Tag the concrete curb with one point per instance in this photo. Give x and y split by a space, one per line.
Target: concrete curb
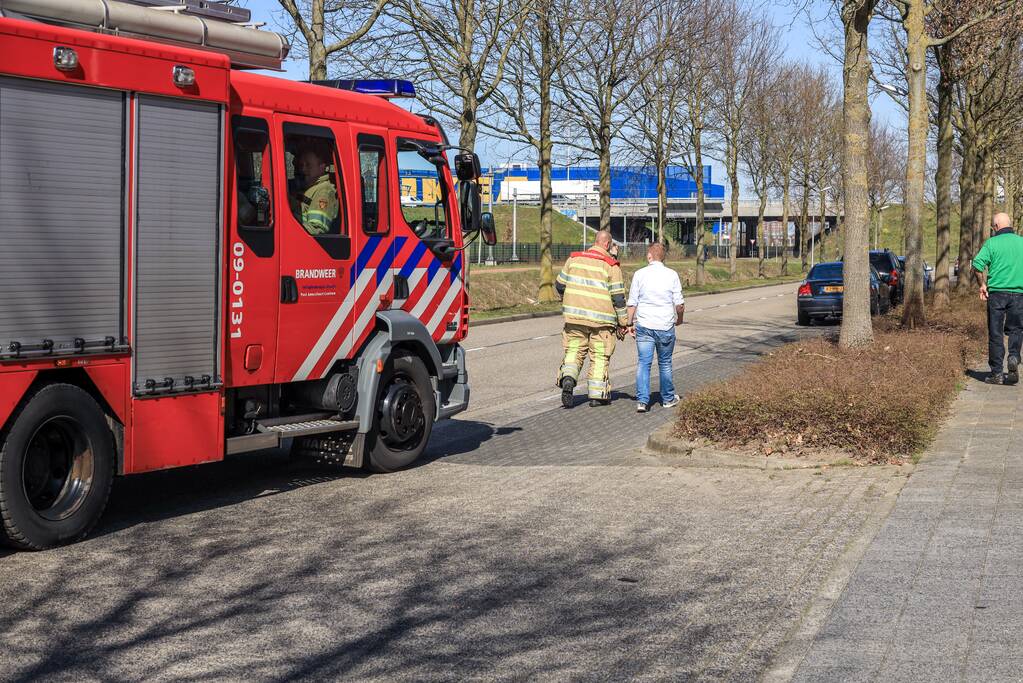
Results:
684 455
550 314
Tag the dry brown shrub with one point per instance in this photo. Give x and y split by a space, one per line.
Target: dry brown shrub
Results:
881 403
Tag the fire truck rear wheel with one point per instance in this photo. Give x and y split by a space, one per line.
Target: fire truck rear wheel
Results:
403 417
56 468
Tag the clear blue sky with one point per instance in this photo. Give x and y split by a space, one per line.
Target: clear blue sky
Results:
798 31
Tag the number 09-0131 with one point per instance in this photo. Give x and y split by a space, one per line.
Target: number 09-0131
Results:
237 289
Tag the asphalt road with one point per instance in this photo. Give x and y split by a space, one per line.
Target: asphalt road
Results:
532 542
513 366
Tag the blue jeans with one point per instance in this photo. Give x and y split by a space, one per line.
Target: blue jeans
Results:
648 341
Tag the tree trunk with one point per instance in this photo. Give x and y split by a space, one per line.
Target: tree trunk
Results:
979 200
317 62
989 197
604 160
785 199
822 240
762 232
662 195
315 43
701 259
857 329
1009 187
804 223
967 205
913 313
545 292
733 178
943 183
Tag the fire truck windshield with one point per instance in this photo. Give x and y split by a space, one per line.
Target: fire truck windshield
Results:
424 193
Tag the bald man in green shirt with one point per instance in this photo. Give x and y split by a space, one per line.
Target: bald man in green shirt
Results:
1002 288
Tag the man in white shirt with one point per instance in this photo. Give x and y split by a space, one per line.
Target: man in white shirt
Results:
656 306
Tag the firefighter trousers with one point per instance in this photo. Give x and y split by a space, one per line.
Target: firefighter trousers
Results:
599 343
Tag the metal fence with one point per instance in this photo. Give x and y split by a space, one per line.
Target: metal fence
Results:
529 252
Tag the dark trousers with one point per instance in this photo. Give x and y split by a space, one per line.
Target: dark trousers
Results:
1004 317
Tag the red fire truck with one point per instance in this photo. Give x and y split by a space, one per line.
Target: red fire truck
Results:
199 261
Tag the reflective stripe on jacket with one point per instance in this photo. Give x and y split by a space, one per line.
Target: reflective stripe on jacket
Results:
592 290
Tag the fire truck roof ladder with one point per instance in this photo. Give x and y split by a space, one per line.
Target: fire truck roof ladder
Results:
194 23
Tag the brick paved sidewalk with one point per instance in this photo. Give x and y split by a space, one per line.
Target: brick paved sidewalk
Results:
938 595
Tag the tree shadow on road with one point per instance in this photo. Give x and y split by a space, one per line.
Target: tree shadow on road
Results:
413 599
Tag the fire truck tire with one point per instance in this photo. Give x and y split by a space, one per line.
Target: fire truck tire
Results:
403 418
56 468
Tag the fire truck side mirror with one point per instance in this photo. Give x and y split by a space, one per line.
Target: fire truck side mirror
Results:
488 229
467 166
469 205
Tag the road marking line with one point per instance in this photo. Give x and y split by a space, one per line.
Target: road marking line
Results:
697 310
478 348
551 398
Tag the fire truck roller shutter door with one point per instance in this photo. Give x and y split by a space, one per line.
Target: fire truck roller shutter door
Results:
177 244
61 213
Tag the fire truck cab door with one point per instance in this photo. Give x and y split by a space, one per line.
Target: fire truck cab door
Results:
316 297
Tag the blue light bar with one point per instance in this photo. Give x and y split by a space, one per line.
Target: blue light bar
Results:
385 87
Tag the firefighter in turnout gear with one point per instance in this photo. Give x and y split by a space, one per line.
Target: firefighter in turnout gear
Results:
319 205
593 304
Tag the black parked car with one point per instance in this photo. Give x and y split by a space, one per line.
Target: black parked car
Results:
891 270
820 295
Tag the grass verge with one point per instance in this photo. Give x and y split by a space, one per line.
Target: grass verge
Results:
514 290
879 404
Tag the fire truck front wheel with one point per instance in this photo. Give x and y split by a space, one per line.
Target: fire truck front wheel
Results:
403 418
56 468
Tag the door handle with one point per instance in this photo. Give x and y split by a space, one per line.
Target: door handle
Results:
289 290
400 288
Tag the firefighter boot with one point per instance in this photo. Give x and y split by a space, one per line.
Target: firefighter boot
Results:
567 390
575 341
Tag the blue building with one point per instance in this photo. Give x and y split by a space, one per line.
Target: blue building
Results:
628 183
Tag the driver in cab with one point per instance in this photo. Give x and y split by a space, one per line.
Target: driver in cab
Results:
319 205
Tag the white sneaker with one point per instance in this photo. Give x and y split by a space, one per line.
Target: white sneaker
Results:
642 408
672 403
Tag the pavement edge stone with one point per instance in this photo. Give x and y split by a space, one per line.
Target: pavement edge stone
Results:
663 443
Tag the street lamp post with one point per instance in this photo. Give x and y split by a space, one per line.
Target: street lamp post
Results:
515 224
880 226
585 202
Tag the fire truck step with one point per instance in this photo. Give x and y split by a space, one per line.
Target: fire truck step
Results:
313 427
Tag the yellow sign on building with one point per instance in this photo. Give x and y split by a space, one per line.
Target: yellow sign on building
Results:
431 190
409 188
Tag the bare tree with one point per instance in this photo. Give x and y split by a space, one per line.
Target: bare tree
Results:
886 172
757 140
457 50
784 149
323 28
815 101
703 22
525 103
654 126
597 79
747 46
913 15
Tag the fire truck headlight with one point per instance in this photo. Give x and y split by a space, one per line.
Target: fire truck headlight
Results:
65 59
183 76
